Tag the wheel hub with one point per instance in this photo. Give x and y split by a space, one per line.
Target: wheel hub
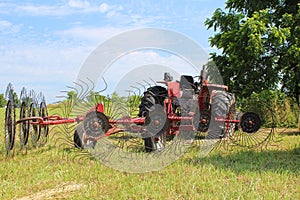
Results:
95 124
250 122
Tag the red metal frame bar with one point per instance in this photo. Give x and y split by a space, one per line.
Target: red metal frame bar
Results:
50 120
222 119
128 120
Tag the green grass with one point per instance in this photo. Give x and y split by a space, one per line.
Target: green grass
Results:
225 174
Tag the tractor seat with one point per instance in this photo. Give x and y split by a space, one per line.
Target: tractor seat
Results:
187 82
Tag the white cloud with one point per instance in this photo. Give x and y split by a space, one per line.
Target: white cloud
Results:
4 8
34 60
78 4
145 65
5 24
43 68
95 34
70 8
7 27
45 10
145 57
104 7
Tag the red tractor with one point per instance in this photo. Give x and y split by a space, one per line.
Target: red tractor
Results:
180 109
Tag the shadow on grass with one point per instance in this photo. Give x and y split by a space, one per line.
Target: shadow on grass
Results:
252 161
291 132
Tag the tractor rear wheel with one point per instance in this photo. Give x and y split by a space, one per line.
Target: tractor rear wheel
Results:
153 95
151 107
223 106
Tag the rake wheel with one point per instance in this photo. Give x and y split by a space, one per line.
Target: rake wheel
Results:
33 128
43 112
156 124
24 126
10 119
151 101
95 124
204 120
250 135
156 121
10 127
250 122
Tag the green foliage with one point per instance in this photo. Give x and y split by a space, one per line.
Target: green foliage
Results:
2 101
133 103
129 105
16 99
274 108
115 106
71 95
260 45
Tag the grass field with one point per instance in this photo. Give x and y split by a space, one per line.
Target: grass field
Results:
51 172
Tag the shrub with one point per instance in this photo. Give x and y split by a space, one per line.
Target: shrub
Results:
274 108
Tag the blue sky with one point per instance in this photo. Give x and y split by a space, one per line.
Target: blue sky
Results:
44 43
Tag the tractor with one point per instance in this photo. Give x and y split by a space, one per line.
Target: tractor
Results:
181 108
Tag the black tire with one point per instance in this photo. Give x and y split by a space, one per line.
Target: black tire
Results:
223 105
78 134
155 143
10 127
204 120
95 117
79 140
87 128
156 138
250 122
33 128
43 129
154 96
156 121
24 129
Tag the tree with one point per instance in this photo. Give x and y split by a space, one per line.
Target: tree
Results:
260 43
2 101
71 95
17 100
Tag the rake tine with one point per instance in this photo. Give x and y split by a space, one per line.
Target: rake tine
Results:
81 89
140 92
141 85
147 83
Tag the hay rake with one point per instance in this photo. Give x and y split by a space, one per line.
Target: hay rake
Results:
162 112
33 118
34 121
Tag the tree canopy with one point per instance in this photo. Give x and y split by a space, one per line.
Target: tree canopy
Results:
260 45
2 100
